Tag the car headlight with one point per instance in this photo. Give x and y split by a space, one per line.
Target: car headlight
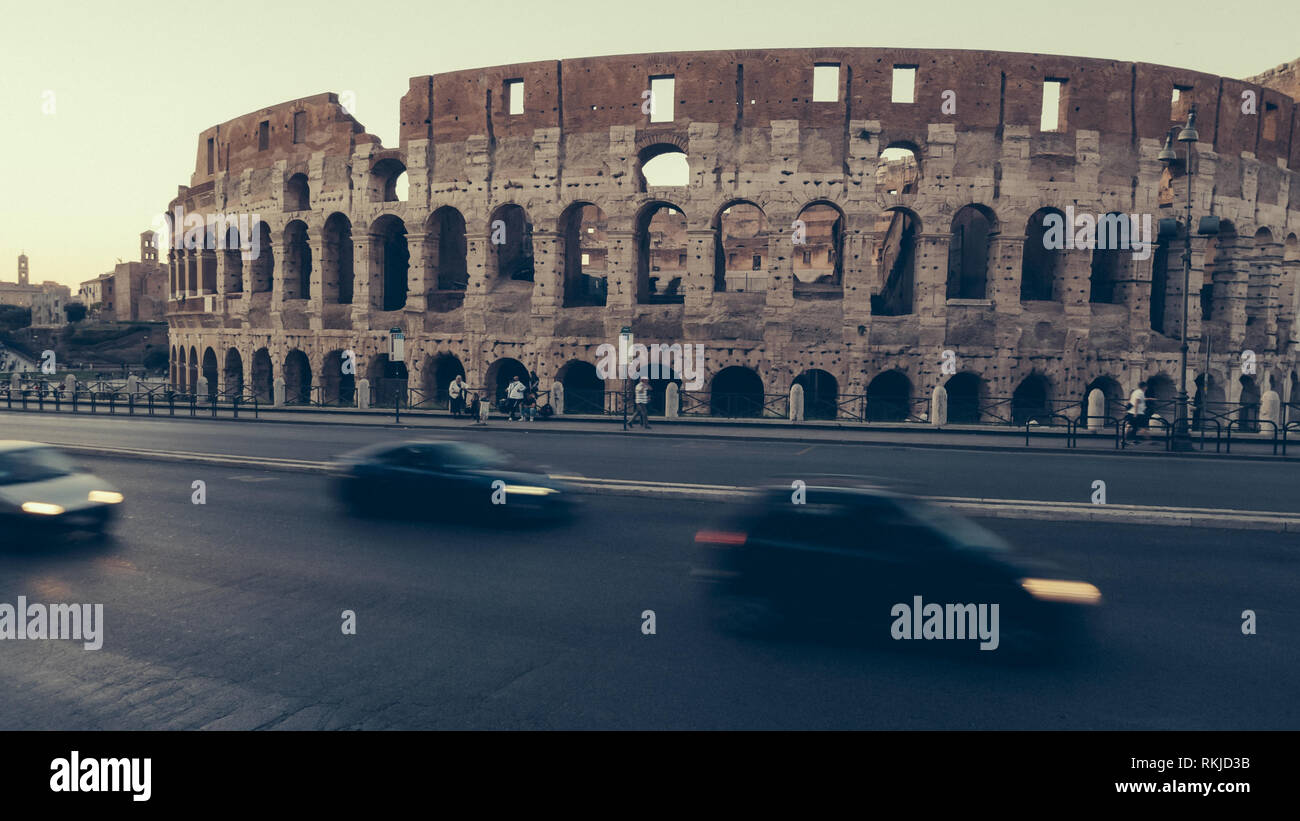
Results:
529 490
1062 591
42 508
107 497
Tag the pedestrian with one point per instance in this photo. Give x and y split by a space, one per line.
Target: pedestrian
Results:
534 382
514 398
456 395
1136 416
642 403
530 405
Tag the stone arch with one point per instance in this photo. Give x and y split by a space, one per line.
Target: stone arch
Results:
390 261
661 253
510 242
584 255
297 378
1112 390
337 269
389 381
970 251
297 193
897 230
967 394
233 378
663 162
262 265
192 378
898 169
736 391
438 372
739 247
234 255
447 248
889 397
584 390
499 374
182 373
1031 400
819 260
821 393
1162 395
337 387
297 261
210 373
1042 268
263 376
387 180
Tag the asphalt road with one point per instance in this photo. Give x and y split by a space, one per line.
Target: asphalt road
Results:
227 615
662 456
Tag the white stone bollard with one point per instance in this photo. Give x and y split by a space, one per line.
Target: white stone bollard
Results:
363 393
672 401
1270 409
1096 409
277 395
939 406
557 398
796 403
201 388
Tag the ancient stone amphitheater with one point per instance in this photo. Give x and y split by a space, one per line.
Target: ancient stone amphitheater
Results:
840 219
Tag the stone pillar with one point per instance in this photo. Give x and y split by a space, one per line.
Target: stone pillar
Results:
361 265
939 406
621 268
201 388
1270 409
1096 409
672 401
557 398
796 403
316 299
417 277
277 395
548 272
1006 258
363 393
70 385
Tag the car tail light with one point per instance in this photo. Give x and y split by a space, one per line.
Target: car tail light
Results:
720 537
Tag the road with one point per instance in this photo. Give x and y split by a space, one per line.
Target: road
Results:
227 615
662 456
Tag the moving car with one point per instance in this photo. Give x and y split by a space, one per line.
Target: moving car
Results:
42 491
848 556
446 479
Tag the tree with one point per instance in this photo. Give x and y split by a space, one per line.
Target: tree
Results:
75 311
13 317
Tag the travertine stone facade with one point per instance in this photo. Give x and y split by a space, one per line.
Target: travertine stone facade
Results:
881 285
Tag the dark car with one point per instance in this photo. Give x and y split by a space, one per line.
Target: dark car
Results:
43 492
446 479
866 558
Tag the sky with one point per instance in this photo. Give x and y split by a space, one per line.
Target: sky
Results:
104 102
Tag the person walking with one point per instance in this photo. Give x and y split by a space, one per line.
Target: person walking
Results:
1137 411
514 398
642 403
456 395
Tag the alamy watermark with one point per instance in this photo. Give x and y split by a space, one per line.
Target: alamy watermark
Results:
210 232
1119 232
78 622
950 621
656 361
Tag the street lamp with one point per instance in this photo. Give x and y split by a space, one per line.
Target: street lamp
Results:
624 360
1169 157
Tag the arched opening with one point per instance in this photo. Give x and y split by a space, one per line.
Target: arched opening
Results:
584 390
234 253
511 237
336 260
297 261
1248 403
1043 260
208 262
192 379
390 260
388 181
182 373
899 169
819 258
662 165
234 374
388 381
585 249
1159 284
1030 400
1161 396
297 378
499 374
821 393
889 397
969 248
1292 411
210 373
896 232
966 395
297 194
736 392
740 248
338 385
661 254
263 262
439 371
171 376
263 387
447 234
1112 249
1115 399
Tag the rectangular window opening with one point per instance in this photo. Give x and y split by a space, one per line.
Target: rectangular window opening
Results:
212 150
263 135
299 127
1270 121
904 90
1178 104
515 96
1052 118
662 90
826 82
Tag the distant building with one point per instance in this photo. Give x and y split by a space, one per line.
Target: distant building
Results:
132 291
40 298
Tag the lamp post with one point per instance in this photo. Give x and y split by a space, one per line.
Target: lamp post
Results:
1188 135
624 359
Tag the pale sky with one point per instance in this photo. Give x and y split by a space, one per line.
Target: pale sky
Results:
133 83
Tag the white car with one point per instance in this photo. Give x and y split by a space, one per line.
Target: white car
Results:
43 491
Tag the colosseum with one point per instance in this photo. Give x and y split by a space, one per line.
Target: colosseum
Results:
833 218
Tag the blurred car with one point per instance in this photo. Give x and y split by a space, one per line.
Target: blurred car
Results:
446 479
848 555
43 491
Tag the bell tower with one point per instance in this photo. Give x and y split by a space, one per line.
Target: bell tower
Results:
22 269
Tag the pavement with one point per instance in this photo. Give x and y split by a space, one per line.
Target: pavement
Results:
227 616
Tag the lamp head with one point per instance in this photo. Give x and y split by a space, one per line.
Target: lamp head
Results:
1188 134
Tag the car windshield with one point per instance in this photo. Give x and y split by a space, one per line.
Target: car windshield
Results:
33 465
959 530
461 455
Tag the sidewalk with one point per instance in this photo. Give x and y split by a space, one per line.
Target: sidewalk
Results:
965 437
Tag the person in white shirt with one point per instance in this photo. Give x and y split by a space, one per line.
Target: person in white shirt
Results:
642 403
515 395
1137 411
456 393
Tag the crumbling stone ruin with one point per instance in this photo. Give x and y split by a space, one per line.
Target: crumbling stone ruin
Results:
842 217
